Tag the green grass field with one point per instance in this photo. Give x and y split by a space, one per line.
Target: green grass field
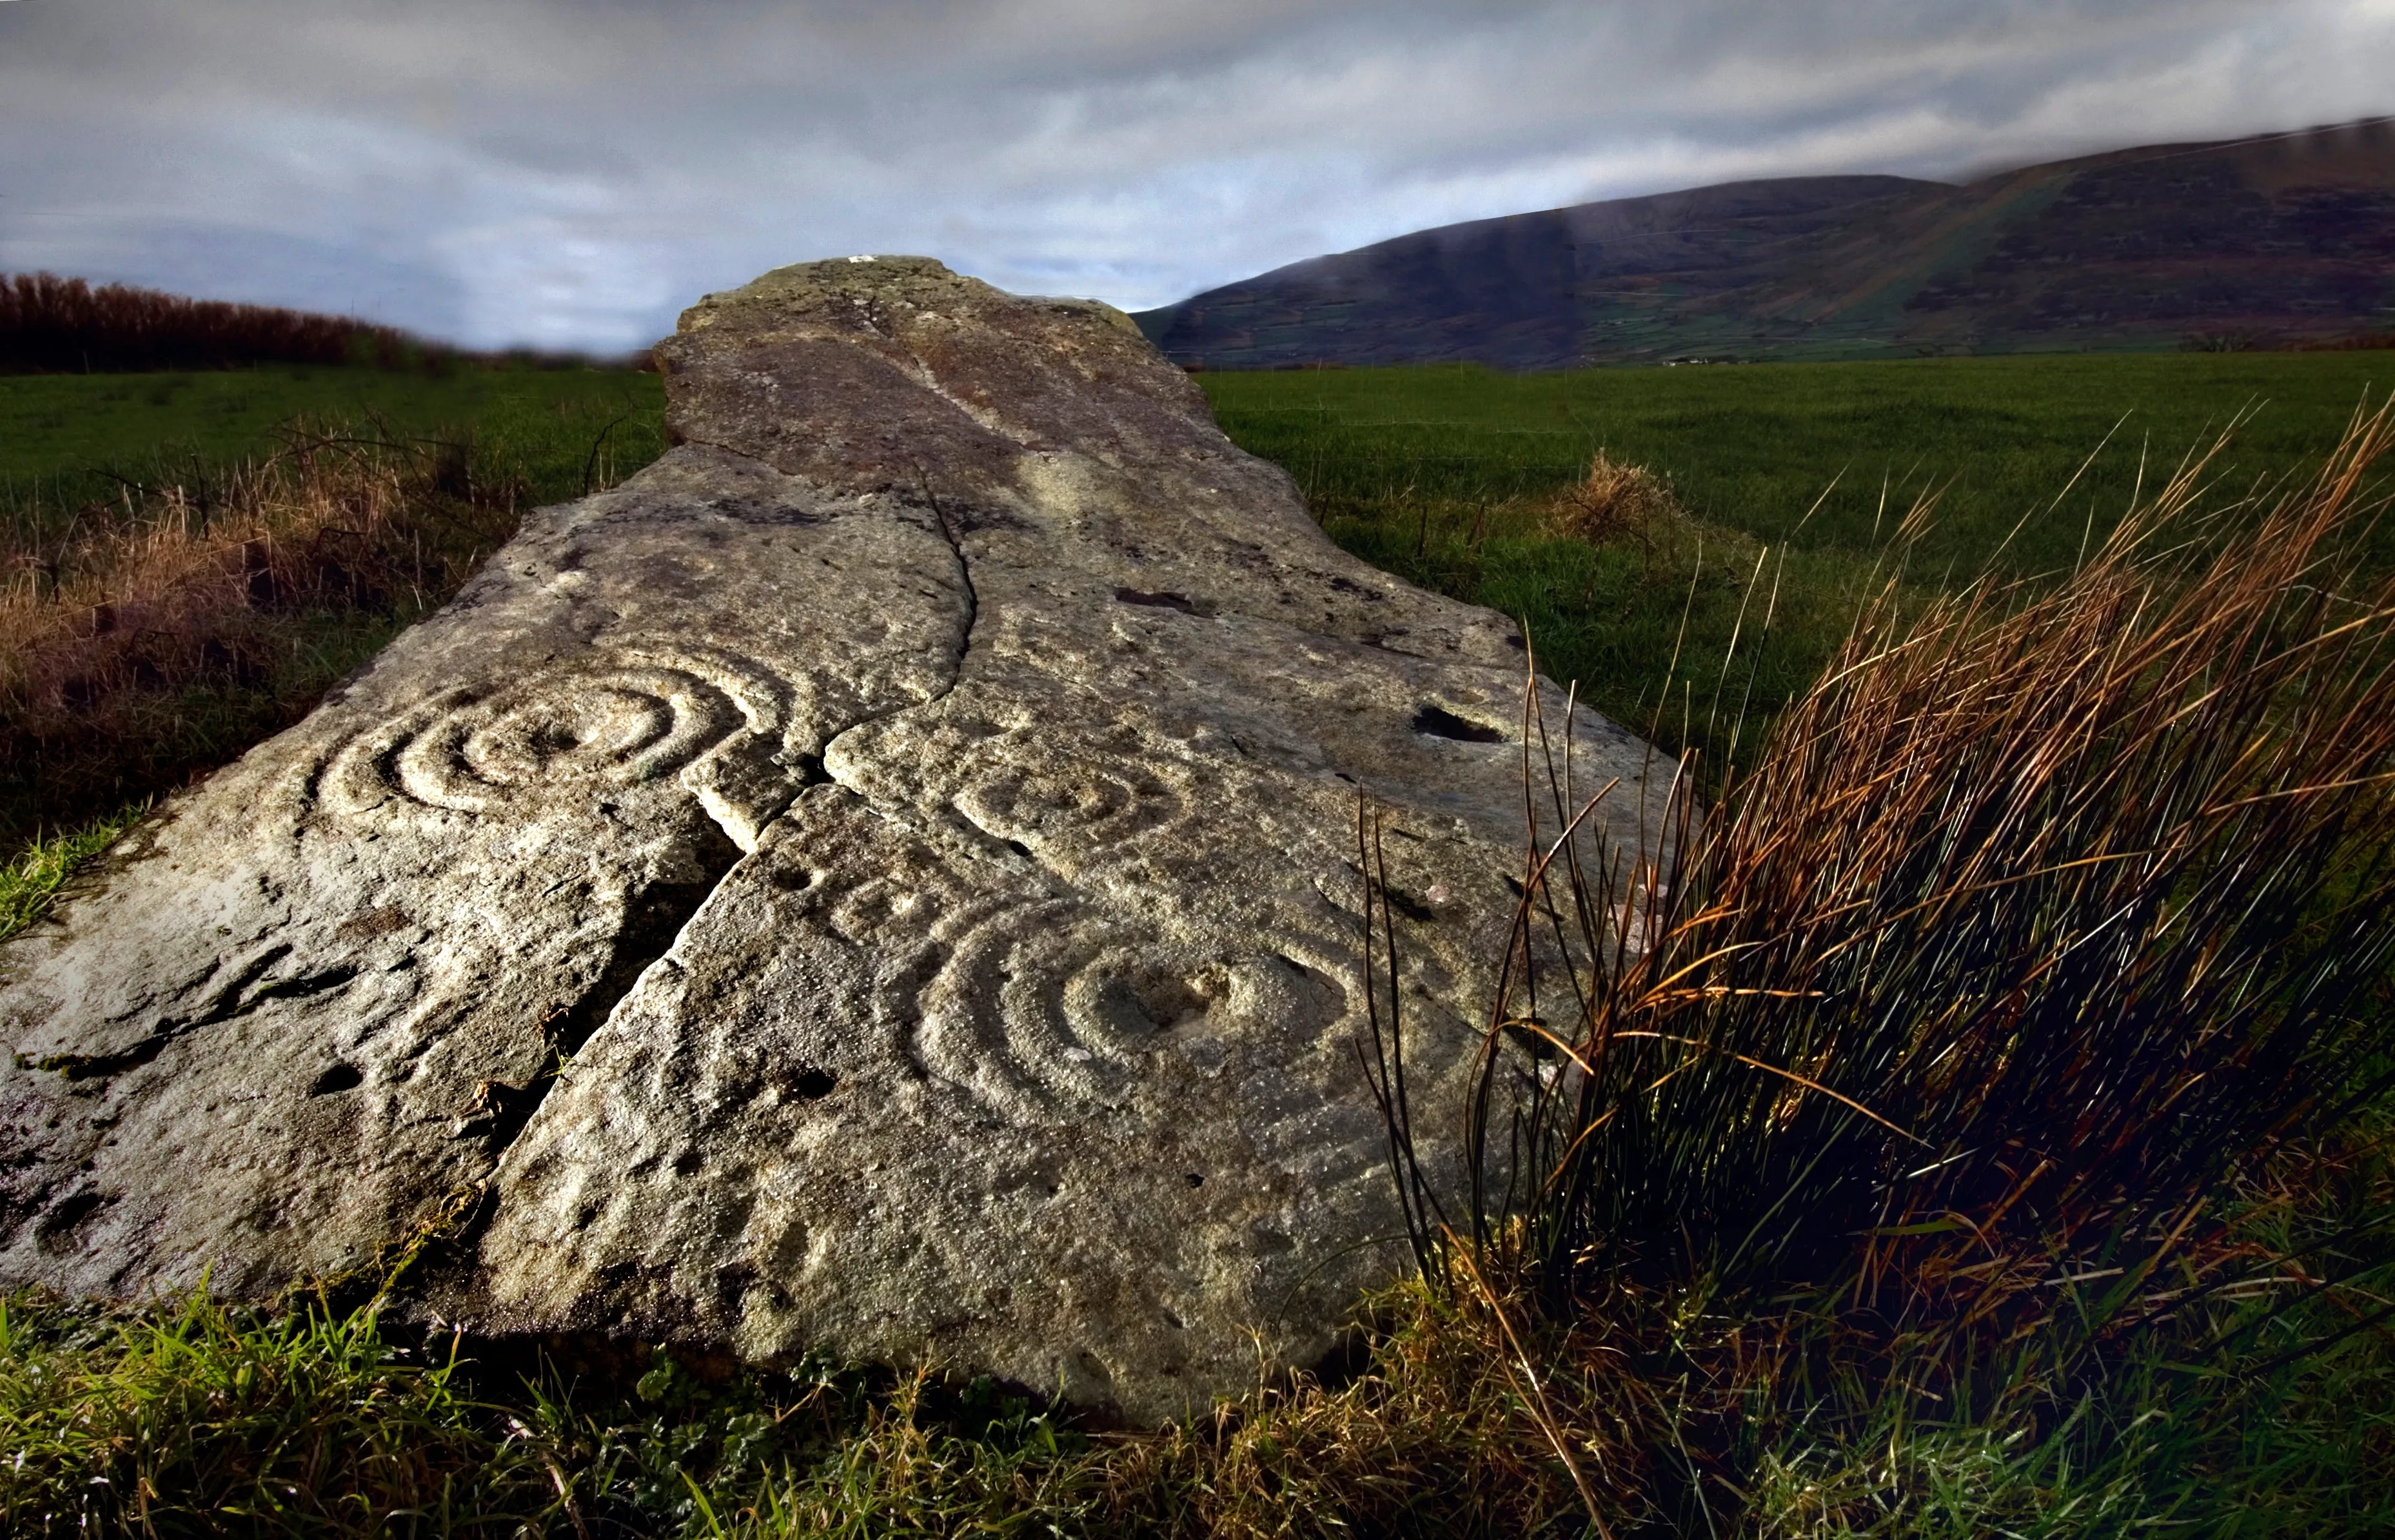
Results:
66 440
1752 446
1438 474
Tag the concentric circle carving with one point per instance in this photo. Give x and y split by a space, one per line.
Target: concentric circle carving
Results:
564 732
1052 1005
1085 803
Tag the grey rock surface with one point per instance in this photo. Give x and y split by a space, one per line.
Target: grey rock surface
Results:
883 880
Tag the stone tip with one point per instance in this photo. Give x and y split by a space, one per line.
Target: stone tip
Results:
919 280
800 281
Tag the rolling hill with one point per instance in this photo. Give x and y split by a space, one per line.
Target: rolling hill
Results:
2287 238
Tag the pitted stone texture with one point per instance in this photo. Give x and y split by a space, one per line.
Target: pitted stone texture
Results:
923 806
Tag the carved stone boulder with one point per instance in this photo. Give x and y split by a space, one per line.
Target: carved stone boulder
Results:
881 880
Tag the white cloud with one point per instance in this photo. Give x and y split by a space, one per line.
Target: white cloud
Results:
572 171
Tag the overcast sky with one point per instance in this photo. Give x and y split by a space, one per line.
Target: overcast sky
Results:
571 173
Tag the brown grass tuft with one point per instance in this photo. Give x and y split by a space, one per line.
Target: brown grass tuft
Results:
1614 503
2062 900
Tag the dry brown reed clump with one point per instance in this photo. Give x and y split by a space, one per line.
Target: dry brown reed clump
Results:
155 638
2044 919
1616 502
2067 894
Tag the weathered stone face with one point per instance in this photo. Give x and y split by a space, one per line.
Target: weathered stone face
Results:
920 811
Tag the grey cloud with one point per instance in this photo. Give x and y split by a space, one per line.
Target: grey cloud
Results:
573 171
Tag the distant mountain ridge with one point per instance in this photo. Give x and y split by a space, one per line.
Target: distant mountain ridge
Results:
2284 237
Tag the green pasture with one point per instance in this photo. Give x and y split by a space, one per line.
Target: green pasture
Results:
1752 446
66 440
1439 474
